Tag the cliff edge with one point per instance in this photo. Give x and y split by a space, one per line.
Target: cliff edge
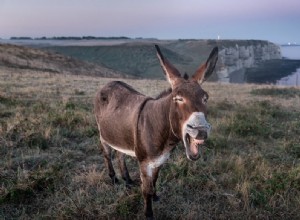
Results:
234 59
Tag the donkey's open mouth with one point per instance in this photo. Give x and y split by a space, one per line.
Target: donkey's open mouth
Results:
192 146
195 131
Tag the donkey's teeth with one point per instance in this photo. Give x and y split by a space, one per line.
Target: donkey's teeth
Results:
197 142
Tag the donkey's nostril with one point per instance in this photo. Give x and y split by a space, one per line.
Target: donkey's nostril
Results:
190 126
202 135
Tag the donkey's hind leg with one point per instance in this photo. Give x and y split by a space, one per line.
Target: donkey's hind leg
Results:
123 169
107 159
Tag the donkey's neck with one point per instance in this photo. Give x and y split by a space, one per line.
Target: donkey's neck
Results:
165 104
160 109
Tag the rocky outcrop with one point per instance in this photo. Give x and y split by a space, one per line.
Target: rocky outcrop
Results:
244 54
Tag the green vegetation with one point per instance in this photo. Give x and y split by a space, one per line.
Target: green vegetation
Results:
139 59
277 92
51 166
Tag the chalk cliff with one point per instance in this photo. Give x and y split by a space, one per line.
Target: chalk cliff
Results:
233 59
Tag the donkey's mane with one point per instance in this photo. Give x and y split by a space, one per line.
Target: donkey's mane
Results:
169 90
164 93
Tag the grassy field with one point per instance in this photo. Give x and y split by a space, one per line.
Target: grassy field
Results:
51 166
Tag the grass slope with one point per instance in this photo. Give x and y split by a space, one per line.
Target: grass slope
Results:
138 60
138 57
51 166
34 59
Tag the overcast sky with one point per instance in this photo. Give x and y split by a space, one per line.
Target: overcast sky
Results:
274 20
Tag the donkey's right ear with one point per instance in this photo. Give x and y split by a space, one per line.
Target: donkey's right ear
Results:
170 71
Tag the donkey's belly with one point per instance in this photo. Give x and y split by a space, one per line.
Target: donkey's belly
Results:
122 149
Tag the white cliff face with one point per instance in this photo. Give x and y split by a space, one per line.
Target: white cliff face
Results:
238 57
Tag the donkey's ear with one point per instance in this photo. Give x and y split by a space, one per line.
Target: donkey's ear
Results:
206 69
170 71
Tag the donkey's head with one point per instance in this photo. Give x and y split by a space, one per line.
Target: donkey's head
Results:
188 108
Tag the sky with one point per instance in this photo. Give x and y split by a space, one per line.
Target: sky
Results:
275 20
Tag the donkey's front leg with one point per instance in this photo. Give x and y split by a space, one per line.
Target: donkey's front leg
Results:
147 189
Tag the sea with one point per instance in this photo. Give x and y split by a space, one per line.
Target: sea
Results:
293 53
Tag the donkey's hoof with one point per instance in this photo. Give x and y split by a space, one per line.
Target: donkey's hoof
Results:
129 181
115 180
132 183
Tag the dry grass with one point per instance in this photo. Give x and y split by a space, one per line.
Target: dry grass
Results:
51 166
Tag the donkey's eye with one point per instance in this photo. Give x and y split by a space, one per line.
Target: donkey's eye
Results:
178 99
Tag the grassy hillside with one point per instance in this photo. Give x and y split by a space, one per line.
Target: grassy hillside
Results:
138 57
51 166
136 60
33 59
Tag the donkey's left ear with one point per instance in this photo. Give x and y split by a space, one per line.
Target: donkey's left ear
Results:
206 69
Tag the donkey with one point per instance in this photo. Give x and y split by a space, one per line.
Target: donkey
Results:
148 129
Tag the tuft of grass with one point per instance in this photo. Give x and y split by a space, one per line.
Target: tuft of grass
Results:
128 206
264 189
261 119
217 142
37 182
79 92
37 140
293 148
248 124
70 106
